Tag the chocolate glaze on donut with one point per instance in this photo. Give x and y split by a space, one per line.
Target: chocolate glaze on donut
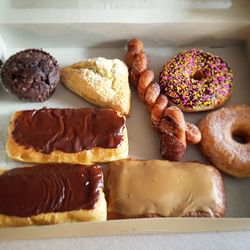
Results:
196 80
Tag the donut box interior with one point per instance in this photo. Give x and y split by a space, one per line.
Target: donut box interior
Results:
77 30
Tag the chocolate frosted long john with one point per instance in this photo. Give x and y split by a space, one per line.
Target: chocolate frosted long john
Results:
67 135
31 195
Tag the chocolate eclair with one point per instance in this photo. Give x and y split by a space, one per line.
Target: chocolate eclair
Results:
50 194
31 75
84 135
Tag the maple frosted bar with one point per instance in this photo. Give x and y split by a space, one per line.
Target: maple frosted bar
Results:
157 188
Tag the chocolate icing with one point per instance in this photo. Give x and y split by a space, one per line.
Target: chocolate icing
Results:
68 130
31 75
49 188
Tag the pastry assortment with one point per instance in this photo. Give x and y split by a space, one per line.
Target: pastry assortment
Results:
166 189
101 81
50 194
83 136
68 143
31 75
169 122
220 130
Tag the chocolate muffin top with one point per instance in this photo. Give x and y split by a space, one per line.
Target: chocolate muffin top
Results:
31 75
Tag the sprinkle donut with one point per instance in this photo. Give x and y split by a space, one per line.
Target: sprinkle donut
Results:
196 80
226 139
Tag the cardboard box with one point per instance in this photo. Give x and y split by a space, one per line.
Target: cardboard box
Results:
71 32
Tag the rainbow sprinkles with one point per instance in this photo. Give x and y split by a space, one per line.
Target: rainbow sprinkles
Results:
196 80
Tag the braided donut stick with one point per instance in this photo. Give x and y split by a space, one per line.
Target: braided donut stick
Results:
145 79
158 109
149 92
193 134
168 121
173 123
173 134
136 60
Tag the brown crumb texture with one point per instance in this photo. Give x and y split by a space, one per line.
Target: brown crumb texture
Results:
31 75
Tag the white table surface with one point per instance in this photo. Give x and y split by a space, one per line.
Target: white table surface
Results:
223 241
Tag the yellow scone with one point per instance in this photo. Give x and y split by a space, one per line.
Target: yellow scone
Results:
101 81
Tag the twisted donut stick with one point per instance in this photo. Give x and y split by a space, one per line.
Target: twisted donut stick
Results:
158 109
157 103
173 135
193 134
136 60
168 121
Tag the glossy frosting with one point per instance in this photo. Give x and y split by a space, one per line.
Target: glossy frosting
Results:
163 188
46 188
68 130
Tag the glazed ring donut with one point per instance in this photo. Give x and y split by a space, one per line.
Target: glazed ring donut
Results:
226 139
196 80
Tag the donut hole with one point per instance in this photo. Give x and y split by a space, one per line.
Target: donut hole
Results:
199 75
241 137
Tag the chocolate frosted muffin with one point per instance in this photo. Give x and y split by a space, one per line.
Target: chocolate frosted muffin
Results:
31 75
